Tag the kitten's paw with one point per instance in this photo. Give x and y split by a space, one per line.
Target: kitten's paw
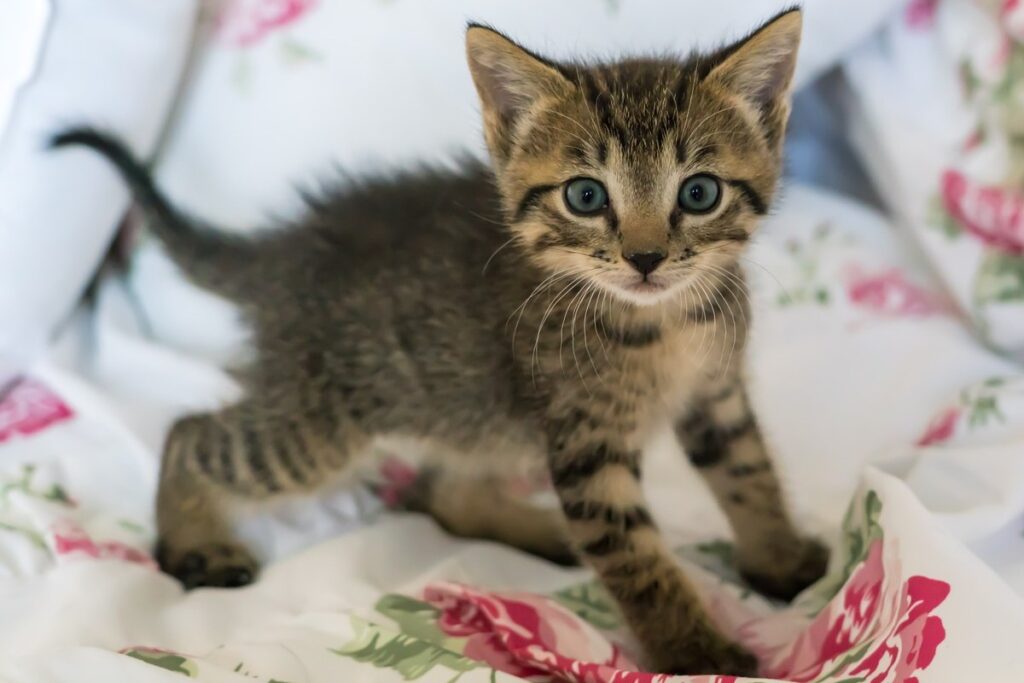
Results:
214 565
785 581
561 554
723 658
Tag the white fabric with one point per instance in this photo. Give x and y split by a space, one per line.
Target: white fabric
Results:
935 110
114 63
854 351
21 38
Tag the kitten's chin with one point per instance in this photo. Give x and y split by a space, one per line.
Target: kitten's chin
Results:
643 292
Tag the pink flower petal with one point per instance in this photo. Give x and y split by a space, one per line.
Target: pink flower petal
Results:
30 407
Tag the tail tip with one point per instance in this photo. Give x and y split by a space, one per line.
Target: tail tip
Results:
77 135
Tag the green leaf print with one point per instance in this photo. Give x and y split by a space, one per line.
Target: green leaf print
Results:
165 660
413 658
981 403
968 78
58 495
810 288
129 525
860 529
942 220
591 603
414 617
35 537
723 551
294 52
850 658
24 484
1000 278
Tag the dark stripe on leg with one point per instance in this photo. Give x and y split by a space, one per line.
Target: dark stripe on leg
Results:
224 453
256 458
299 447
749 469
628 518
729 433
202 434
571 470
280 445
607 544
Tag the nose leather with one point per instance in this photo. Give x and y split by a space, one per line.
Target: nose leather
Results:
646 262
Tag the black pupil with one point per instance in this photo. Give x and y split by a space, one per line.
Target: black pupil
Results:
696 192
587 195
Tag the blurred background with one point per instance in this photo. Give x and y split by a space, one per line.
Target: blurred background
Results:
888 282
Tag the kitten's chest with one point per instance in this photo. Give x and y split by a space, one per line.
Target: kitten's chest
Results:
665 376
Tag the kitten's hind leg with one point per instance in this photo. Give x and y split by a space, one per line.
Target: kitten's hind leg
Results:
215 463
483 507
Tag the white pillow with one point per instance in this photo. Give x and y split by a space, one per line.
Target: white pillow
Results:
113 62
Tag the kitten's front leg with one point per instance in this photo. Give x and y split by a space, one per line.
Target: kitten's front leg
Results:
721 438
596 474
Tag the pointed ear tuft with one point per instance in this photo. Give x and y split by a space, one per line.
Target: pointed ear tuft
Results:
508 77
760 67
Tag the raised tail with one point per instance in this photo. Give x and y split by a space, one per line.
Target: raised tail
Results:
210 258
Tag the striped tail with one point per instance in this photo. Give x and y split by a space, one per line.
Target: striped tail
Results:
204 254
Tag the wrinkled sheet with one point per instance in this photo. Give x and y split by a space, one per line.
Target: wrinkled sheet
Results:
899 435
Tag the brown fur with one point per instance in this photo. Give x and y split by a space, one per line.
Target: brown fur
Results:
480 314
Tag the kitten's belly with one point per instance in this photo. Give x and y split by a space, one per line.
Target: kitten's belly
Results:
499 444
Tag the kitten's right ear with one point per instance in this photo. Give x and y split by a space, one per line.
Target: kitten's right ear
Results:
508 77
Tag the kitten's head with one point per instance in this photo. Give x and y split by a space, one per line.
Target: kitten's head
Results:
637 175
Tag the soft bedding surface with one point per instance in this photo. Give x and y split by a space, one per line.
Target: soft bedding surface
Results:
899 436
899 433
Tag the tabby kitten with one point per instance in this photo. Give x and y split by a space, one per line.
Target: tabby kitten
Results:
560 306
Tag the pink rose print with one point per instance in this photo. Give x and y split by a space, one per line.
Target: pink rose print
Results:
1012 14
71 539
890 293
992 215
242 23
974 140
920 14
840 626
531 636
894 621
912 644
941 428
30 407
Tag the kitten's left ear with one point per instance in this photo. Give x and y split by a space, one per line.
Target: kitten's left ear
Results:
760 67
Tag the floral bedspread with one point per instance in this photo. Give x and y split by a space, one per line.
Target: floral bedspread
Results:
903 601
885 368
899 436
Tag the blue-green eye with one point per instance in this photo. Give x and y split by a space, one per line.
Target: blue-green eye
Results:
585 196
699 194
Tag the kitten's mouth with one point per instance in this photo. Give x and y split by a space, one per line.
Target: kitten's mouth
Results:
645 287
642 291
